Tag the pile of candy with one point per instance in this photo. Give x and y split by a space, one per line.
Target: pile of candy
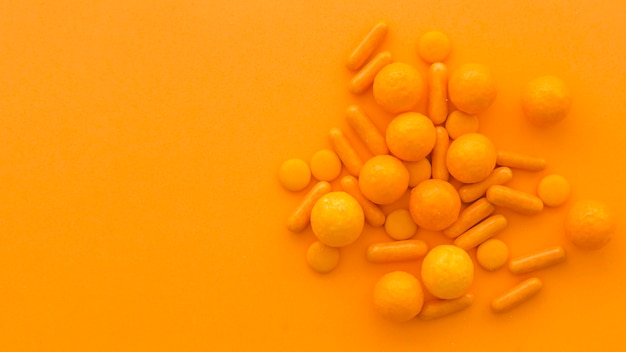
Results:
421 154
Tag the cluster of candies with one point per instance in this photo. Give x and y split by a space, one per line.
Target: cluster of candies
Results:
422 154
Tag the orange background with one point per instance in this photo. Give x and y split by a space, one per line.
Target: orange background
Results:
139 203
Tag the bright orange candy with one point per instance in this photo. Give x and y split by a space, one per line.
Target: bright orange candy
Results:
434 46
399 225
418 171
325 165
437 107
517 295
383 179
364 79
471 88
589 224
537 260
553 190
411 136
434 204
546 100
322 258
439 154
396 251
398 296
471 192
469 217
447 272
492 254
337 219
294 174
471 158
372 40
459 123
398 87
373 215
366 130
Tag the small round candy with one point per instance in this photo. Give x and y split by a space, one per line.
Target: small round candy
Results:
553 190
492 254
434 46
459 123
337 219
325 165
399 225
418 171
322 258
294 174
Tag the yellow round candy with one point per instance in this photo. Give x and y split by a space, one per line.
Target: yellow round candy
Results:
418 171
294 174
492 254
459 123
398 87
337 219
322 258
554 190
383 179
434 46
398 296
399 225
447 271
325 165
471 158
411 136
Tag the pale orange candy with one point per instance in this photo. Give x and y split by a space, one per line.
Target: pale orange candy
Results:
546 100
398 296
492 254
459 123
434 46
294 174
418 171
434 204
399 225
322 258
398 87
337 219
471 88
554 190
384 179
590 224
411 136
471 158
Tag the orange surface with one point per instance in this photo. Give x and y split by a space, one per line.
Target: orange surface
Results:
140 206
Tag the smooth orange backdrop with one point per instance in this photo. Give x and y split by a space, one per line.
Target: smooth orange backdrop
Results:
140 143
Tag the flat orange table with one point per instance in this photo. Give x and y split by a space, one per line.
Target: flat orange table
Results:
140 208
